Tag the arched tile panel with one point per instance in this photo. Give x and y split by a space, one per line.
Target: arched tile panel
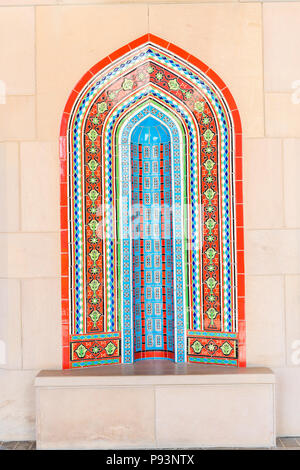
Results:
150 75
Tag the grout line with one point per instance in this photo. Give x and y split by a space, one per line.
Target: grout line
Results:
40 141
35 76
270 137
262 138
285 321
25 232
60 3
20 188
21 321
279 92
25 370
21 95
263 66
248 229
283 183
272 274
277 229
247 276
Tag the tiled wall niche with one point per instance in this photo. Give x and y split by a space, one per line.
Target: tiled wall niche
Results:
155 80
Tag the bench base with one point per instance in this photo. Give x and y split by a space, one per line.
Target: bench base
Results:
155 404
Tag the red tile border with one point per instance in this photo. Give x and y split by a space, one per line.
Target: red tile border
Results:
158 41
64 124
82 82
241 307
198 63
63 150
238 192
63 194
242 354
242 332
119 52
65 320
64 241
229 99
63 217
238 145
237 121
239 213
239 169
240 262
178 51
64 264
139 42
241 285
66 359
71 100
64 287
216 79
65 332
238 174
240 238
100 65
65 310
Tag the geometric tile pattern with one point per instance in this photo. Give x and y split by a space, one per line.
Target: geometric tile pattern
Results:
151 79
155 110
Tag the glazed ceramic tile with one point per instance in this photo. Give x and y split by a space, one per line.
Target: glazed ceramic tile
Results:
151 212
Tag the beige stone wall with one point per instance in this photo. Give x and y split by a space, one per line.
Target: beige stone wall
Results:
46 46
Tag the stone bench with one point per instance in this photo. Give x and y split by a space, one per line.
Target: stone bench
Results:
155 404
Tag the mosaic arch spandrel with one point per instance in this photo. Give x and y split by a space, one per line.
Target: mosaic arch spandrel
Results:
97 323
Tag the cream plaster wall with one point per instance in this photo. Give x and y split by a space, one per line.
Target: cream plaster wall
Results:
46 46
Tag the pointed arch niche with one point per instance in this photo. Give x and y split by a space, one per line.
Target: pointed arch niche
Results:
151 212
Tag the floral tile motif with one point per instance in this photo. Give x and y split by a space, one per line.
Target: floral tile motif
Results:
108 167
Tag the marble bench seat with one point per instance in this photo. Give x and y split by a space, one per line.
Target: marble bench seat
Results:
155 404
